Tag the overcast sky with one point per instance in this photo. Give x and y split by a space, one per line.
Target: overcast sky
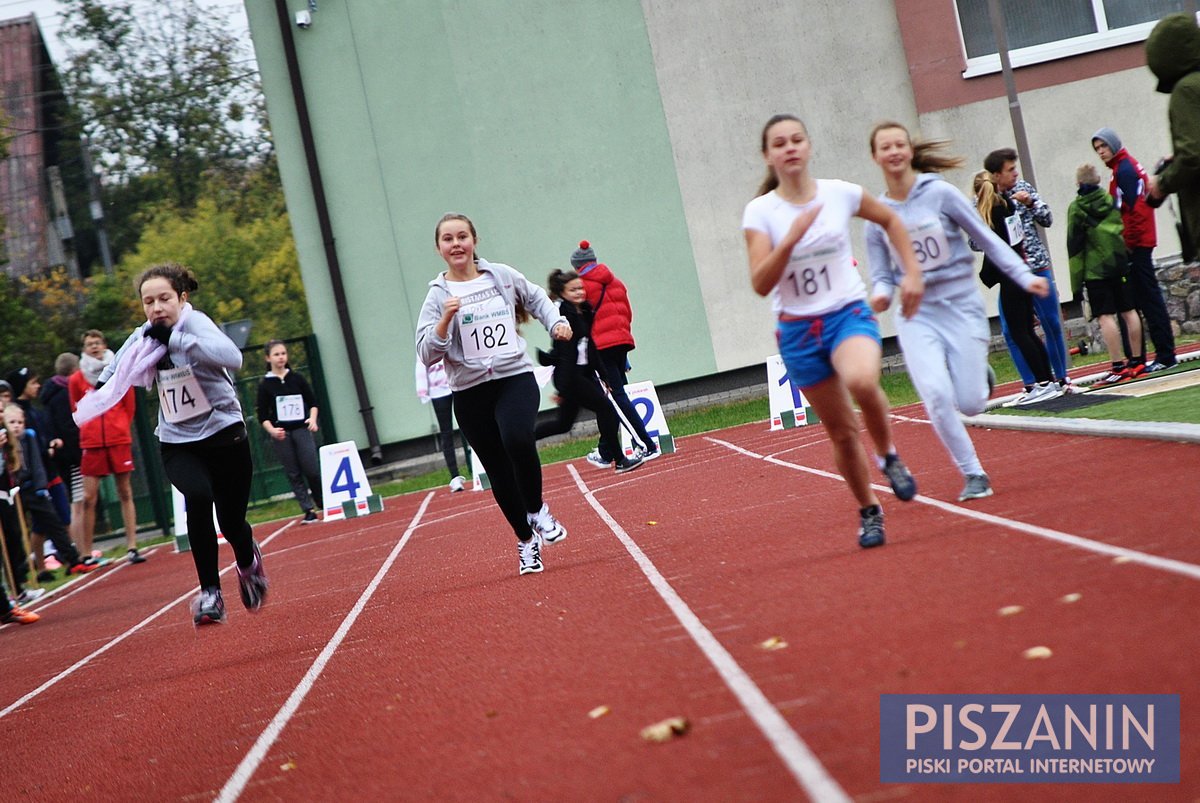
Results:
47 13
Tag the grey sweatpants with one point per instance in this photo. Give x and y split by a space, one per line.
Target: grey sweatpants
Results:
298 454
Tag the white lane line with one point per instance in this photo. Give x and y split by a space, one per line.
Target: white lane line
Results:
1180 567
800 761
245 770
82 662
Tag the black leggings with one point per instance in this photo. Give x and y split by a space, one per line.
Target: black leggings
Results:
497 418
579 387
612 361
214 472
443 406
1016 306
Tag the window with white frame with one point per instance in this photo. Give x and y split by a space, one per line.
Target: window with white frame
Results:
1043 30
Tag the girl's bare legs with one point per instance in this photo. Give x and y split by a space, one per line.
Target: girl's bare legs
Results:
832 404
858 363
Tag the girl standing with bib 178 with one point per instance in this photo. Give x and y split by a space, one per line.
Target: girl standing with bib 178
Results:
946 343
798 241
469 321
287 409
201 431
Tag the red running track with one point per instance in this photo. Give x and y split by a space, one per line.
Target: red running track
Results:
401 657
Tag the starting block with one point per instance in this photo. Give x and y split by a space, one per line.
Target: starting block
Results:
352 508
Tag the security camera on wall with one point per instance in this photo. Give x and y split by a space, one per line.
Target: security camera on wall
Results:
304 19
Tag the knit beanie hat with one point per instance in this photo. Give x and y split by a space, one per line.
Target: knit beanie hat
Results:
5 387
582 255
18 379
1109 138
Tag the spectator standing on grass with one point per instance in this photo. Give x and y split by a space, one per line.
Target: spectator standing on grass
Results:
1016 306
1173 55
946 342
1096 247
798 243
202 434
575 364
107 443
432 387
1032 212
612 334
1130 190
469 322
287 409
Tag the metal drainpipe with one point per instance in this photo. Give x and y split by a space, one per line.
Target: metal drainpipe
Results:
331 258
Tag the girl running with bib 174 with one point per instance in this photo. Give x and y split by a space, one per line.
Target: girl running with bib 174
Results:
798 241
201 431
469 321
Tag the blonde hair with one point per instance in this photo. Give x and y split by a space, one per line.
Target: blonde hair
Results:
986 196
1087 173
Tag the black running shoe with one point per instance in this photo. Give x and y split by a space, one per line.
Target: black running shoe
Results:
903 484
870 532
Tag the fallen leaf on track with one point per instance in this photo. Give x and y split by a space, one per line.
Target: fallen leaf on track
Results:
1068 598
1011 610
773 643
288 765
599 711
666 730
1034 653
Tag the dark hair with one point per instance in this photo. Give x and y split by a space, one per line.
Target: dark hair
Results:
94 333
270 346
926 156
771 181
437 230
558 280
994 162
181 279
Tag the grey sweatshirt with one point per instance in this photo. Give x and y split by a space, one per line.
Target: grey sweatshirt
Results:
934 197
460 373
198 342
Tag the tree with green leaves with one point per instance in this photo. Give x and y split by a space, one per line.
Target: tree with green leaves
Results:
168 97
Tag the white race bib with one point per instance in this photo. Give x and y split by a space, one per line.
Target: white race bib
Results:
930 244
180 396
487 327
808 275
1016 231
289 408
581 355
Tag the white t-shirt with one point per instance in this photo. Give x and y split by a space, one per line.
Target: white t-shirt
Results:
821 276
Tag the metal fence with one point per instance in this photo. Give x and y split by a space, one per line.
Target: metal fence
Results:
151 489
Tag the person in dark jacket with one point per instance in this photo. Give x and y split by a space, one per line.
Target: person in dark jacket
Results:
1130 188
56 401
1100 265
575 363
613 338
1173 55
287 410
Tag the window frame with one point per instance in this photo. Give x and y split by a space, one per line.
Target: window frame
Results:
1059 49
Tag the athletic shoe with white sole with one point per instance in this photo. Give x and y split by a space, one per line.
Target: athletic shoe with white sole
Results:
457 484
901 479
252 582
650 452
546 526
208 607
1042 393
624 463
310 517
30 595
530 554
978 486
870 531
596 460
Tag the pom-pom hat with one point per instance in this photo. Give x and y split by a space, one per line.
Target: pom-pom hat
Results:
582 255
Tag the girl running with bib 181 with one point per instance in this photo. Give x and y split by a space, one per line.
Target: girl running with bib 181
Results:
798 240
469 321
946 343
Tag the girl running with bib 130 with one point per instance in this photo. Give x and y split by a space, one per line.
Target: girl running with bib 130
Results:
469 321
946 343
798 239
201 431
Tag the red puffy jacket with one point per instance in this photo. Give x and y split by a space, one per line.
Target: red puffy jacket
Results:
1136 214
613 317
111 428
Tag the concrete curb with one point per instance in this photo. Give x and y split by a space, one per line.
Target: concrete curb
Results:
1149 430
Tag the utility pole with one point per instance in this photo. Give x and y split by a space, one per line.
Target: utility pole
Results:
61 250
96 207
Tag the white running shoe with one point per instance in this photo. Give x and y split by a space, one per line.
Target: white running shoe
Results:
1042 393
546 526
530 554
596 460
457 484
647 453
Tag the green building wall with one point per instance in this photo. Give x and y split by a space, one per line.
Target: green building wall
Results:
542 121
